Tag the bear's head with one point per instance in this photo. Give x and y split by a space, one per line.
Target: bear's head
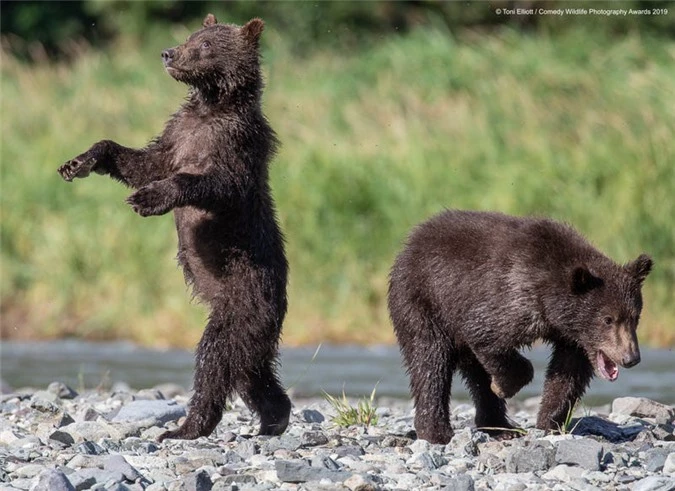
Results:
609 302
218 57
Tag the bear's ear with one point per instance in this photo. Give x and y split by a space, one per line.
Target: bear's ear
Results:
209 20
252 30
640 268
584 281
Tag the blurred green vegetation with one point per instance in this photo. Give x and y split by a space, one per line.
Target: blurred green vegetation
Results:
577 124
40 29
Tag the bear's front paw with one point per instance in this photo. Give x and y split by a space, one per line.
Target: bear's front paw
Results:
80 166
154 199
498 391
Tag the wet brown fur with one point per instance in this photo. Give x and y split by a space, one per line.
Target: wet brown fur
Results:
210 166
470 288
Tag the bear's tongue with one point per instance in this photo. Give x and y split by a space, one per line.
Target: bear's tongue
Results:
607 368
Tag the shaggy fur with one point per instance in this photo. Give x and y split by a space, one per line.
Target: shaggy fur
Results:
470 288
210 166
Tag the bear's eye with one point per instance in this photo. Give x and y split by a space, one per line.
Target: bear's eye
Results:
608 320
206 44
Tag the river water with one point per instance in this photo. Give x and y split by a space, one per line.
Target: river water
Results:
306 371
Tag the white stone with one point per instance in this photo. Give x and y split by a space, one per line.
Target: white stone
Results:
564 473
669 464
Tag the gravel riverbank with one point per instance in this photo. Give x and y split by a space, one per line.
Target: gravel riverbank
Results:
57 439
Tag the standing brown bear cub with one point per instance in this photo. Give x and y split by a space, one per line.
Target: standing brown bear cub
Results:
210 166
470 288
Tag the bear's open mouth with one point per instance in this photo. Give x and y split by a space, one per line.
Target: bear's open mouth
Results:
606 367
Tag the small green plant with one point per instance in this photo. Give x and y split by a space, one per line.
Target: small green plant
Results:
566 427
347 415
519 431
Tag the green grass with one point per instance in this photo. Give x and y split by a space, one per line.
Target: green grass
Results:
579 127
346 415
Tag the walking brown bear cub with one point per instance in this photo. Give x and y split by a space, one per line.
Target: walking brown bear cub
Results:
210 166
470 288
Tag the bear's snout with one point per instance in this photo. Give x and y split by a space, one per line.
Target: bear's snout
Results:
631 359
167 55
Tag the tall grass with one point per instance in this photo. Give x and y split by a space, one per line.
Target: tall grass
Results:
579 127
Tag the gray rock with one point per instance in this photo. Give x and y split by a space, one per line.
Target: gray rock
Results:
583 452
41 402
198 481
395 441
665 432
427 460
21 484
52 480
117 463
111 446
247 449
170 390
80 461
361 482
654 483
352 450
29 470
228 437
564 473
138 445
312 416
87 414
64 419
529 459
462 482
643 408
598 477
296 471
325 462
62 437
82 479
669 464
149 395
153 412
90 430
61 390
313 439
464 443
491 462
623 478
419 446
654 459
232 457
90 448
247 479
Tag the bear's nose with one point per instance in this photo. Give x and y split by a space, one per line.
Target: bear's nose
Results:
631 360
167 55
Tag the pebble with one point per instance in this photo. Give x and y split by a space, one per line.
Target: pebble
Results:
583 452
669 464
110 444
312 416
150 412
644 408
535 457
52 480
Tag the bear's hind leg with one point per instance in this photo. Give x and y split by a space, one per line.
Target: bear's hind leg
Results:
211 384
431 368
490 408
262 392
